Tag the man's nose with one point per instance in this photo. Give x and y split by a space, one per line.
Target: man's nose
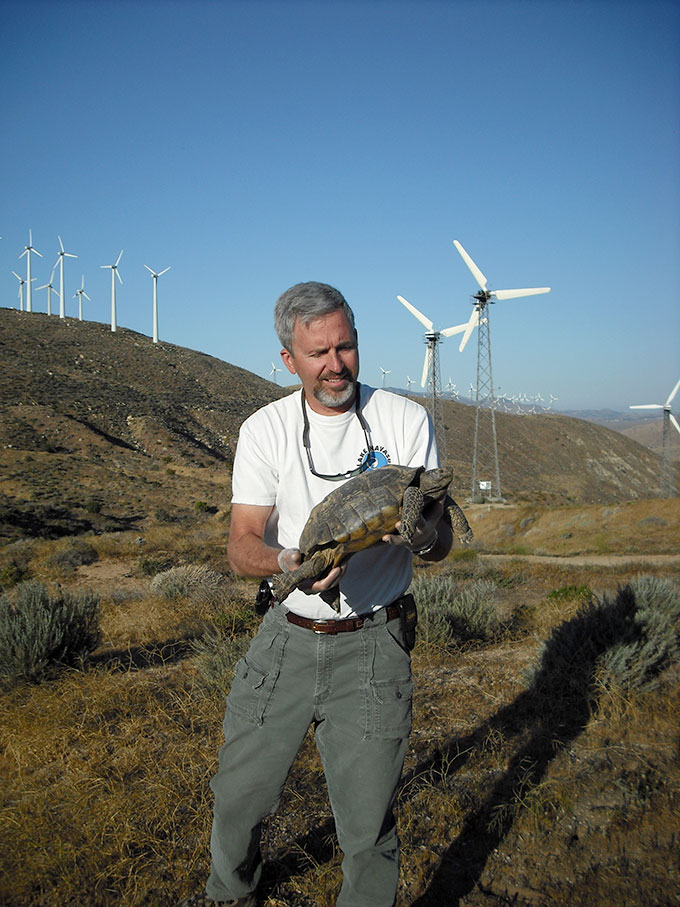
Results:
334 363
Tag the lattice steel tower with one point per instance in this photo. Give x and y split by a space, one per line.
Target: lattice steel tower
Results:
485 466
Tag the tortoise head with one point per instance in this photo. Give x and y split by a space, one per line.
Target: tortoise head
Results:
435 482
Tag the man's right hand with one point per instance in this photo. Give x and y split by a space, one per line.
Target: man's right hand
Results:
289 559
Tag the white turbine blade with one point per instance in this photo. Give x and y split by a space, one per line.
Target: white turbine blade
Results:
150 271
105 266
426 367
515 294
43 287
674 421
61 245
469 328
37 253
70 255
458 329
17 276
85 295
423 319
119 258
57 261
163 271
647 406
25 252
672 394
476 273
117 273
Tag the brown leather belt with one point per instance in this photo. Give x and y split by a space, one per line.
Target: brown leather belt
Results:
346 625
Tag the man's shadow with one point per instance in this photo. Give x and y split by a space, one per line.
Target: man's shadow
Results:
547 716
553 711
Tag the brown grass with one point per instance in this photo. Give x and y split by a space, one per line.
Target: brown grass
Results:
508 795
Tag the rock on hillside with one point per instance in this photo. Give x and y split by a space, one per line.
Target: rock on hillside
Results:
103 430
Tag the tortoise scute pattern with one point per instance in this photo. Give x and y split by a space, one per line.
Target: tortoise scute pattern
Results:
358 514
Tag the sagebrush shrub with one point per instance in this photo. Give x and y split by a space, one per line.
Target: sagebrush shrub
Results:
39 630
78 553
446 614
652 642
627 640
195 581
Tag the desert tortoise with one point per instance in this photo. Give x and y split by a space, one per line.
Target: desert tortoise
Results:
359 513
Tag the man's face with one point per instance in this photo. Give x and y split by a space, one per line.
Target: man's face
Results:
325 357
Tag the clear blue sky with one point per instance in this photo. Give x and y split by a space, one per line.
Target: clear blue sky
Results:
252 145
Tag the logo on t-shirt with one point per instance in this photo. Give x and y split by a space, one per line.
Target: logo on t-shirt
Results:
374 458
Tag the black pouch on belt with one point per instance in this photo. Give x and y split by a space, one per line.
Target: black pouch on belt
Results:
408 618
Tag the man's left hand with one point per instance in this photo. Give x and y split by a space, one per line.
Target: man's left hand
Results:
425 530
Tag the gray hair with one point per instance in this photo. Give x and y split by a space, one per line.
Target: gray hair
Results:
307 301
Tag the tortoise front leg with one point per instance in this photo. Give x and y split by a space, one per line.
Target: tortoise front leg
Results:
411 511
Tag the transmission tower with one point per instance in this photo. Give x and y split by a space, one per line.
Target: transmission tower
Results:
435 387
485 466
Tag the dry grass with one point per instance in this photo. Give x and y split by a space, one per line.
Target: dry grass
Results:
516 790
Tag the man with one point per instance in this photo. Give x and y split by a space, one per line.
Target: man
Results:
348 674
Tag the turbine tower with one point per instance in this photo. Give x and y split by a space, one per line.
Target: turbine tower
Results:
50 289
114 274
155 298
667 484
60 261
80 293
485 450
431 373
21 290
27 252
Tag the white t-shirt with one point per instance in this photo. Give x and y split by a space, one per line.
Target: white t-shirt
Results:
271 469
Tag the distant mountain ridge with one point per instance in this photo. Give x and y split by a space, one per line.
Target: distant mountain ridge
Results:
103 430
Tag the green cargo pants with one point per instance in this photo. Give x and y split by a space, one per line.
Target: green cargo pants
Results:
355 688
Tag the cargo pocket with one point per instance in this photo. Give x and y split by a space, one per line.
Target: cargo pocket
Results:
390 689
255 676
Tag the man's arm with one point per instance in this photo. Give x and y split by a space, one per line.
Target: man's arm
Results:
250 556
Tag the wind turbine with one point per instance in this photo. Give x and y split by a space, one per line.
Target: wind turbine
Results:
80 293
273 372
431 372
50 289
486 441
27 252
21 290
384 373
667 487
114 274
155 297
60 261
409 382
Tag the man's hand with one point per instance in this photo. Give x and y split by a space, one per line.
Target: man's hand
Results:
291 558
426 530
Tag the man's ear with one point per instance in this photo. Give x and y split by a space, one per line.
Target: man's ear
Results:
288 361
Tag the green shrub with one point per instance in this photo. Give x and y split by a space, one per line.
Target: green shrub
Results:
194 581
652 642
77 553
215 655
446 615
15 560
570 592
39 631
628 640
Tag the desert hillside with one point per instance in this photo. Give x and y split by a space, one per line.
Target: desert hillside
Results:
104 430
